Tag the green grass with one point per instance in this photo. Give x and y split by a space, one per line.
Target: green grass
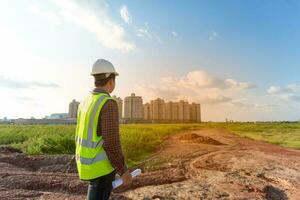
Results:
283 134
138 140
39 139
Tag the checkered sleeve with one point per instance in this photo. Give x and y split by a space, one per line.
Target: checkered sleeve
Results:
108 127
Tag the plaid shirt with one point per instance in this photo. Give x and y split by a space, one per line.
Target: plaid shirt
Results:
108 128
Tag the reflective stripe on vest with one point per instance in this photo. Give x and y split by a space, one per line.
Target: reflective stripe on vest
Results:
97 158
92 119
88 144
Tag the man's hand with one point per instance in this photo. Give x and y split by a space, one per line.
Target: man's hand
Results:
127 178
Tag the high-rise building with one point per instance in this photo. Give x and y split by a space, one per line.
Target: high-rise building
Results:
147 111
169 111
195 112
133 107
120 105
175 111
158 109
199 119
73 108
183 111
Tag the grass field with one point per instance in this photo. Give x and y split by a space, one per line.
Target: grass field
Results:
283 134
138 140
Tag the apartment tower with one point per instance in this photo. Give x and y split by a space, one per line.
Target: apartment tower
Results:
183 111
133 107
73 108
158 109
195 112
147 111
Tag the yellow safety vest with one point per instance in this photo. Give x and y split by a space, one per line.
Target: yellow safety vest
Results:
91 159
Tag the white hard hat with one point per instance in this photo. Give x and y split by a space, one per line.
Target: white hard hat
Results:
102 66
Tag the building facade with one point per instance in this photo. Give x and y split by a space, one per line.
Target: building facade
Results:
183 111
73 108
147 111
59 116
133 107
195 112
175 111
120 106
160 111
169 111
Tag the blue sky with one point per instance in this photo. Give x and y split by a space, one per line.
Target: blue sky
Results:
239 59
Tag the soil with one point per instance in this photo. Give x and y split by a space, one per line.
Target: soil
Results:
199 164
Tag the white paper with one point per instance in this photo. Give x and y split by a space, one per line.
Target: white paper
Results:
116 183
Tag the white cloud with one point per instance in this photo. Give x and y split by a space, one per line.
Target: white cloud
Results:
294 87
288 93
51 17
21 84
213 35
97 22
125 14
215 98
291 97
154 91
198 86
277 90
274 90
156 36
244 104
146 34
35 86
175 34
201 79
239 85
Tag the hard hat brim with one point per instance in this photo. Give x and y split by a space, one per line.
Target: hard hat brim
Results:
116 73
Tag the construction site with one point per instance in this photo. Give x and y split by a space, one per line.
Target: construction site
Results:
150 100
196 164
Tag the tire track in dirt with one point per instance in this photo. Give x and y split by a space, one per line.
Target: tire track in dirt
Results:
235 168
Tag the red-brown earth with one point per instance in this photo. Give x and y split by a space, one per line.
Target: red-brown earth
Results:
199 164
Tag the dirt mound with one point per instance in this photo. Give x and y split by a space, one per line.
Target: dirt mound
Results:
199 139
40 163
159 177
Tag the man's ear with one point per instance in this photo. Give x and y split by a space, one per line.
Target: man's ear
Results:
110 82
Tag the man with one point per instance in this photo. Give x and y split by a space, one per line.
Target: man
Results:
98 150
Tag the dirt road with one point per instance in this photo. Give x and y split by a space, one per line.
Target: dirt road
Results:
199 164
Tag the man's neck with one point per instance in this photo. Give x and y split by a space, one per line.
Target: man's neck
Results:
102 88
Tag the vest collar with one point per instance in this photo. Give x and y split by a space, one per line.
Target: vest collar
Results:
98 90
